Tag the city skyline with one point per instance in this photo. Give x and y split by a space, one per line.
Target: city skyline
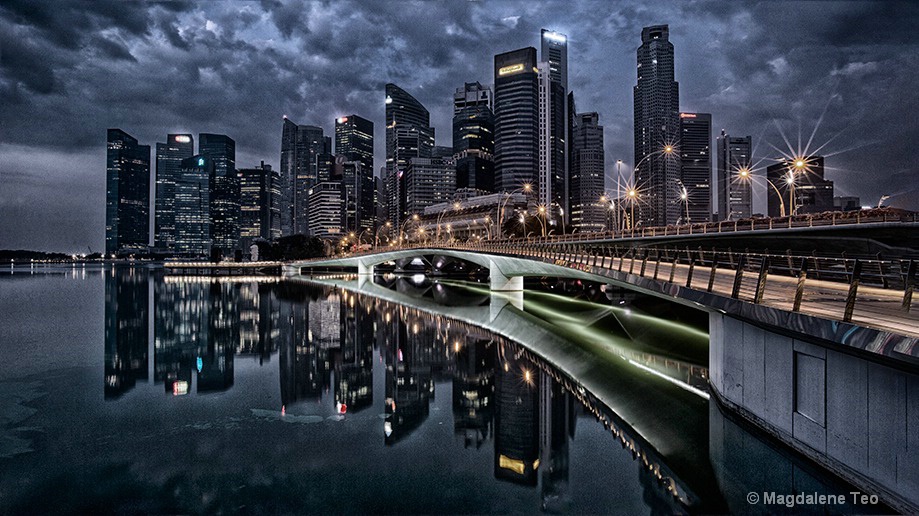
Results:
729 60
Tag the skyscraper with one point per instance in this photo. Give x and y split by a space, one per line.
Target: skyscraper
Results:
354 141
516 119
221 150
695 150
587 174
259 205
193 206
474 137
554 52
428 181
408 135
169 158
301 145
657 107
735 177
127 193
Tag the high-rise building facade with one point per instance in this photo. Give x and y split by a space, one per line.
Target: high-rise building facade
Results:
127 193
193 206
735 177
408 135
657 108
221 150
554 53
474 138
797 187
428 181
259 205
516 119
301 146
169 158
695 148
326 215
588 212
354 141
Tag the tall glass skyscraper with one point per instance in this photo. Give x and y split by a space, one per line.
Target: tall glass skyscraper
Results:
516 119
193 206
301 146
408 135
657 108
221 150
587 174
259 205
127 193
554 52
169 158
695 148
354 141
474 137
735 177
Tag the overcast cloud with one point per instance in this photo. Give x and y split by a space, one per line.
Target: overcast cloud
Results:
70 69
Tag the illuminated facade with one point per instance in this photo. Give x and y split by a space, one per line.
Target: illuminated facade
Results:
221 150
169 158
695 150
554 53
657 108
193 206
428 181
735 177
354 141
259 205
301 146
587 178
327 210
408 135
516 119
127 193
474 137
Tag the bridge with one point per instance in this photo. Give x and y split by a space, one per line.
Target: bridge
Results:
822 351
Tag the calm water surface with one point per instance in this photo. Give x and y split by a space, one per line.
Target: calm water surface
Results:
122 390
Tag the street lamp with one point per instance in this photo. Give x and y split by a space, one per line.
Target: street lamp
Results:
684 196
542 218
526 188
376 238
633 198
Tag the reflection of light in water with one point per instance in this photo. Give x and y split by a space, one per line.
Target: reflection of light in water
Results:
682 385
417 261
418 279
387 428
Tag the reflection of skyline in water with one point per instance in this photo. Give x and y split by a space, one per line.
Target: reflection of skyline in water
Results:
329 345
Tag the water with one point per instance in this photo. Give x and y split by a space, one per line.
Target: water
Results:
122 390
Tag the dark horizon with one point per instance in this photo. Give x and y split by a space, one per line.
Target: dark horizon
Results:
72 70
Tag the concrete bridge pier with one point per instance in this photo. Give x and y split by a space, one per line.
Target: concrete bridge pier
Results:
501 283
364 269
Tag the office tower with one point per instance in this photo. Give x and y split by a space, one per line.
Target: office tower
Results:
588 213
379 196
408 135
326 216
357 192
474 138
428 181
354 141
169 158
695 167
516 119
221 150
127 193
797 187
657 106
301 146
259 205
193 206
554 52
735 177
544 140
517 416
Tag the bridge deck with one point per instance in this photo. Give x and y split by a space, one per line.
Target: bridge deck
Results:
876 307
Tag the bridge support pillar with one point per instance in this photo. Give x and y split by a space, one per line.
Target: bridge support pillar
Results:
364 270
502 283
500 300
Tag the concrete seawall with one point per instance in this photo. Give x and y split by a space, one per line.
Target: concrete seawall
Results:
853 412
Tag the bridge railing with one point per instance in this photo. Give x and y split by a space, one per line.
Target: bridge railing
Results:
787 278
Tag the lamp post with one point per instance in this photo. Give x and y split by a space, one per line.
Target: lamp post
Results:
456 206
526 188
684 196
633 198
541 210
376 238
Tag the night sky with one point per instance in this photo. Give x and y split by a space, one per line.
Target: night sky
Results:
69 70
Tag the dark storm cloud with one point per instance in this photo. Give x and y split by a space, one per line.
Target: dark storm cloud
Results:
71 69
